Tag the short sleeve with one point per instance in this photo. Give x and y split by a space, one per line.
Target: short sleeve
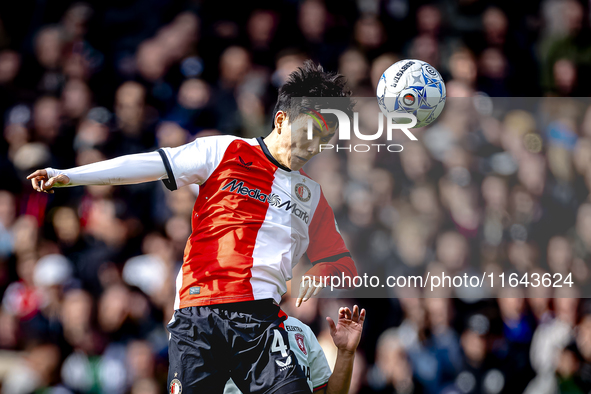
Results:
325 240
327 250
319 368
193 163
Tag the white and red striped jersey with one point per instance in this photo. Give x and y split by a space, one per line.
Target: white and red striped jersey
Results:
252 222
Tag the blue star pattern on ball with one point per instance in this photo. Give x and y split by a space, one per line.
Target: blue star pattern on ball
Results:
381 100
414 87
434 82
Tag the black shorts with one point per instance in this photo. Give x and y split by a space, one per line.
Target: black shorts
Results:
245 341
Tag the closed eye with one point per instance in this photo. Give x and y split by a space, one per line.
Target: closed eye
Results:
327 138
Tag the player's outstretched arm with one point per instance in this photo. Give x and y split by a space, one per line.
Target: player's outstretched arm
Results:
124 170
346 335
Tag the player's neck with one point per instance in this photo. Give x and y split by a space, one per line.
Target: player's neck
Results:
275 146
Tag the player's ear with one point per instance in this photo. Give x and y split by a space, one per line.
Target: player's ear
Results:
280 120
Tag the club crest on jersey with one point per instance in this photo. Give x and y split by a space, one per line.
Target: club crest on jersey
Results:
175 387
302 192
300 341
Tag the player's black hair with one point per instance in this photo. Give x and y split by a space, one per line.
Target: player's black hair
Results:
311 83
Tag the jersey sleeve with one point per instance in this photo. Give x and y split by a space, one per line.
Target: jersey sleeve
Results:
319 368
123 170
193 163
327 250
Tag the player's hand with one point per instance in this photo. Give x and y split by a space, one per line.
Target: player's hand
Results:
307 290
42 183
346 334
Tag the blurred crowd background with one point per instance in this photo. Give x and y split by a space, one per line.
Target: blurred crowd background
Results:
496 184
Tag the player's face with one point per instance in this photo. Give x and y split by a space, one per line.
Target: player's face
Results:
301 149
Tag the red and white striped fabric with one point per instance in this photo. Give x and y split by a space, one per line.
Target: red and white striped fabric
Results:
252 222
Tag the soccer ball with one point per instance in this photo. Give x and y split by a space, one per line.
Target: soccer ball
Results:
412 86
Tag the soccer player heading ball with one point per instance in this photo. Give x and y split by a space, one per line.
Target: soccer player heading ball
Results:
256 215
